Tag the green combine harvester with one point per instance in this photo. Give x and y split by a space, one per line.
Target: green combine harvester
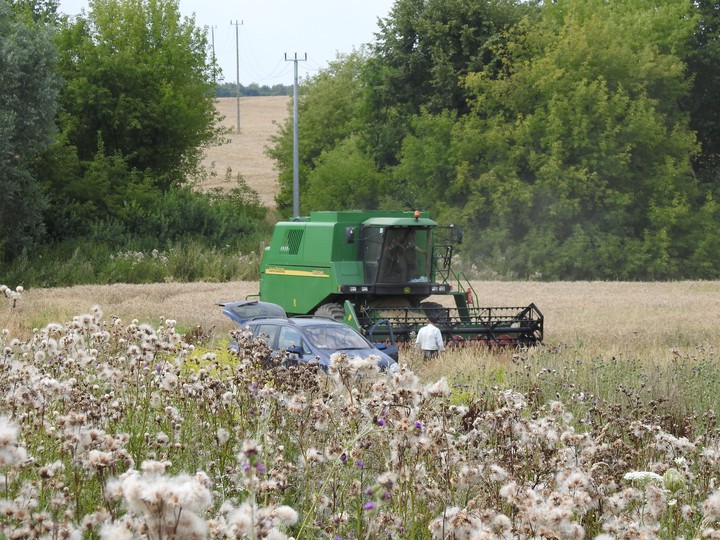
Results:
376 271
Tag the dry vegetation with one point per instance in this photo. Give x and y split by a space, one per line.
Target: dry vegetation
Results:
609 317
125 430
260 118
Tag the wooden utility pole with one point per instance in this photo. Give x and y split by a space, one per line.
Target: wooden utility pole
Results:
296 153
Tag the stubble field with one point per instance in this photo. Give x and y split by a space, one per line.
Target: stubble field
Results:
609 317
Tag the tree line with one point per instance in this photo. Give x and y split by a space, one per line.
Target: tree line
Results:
252 90
571 140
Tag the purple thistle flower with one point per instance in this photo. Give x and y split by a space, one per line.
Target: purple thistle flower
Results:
343 457
419 425
360 463
369 505
260 467
381 422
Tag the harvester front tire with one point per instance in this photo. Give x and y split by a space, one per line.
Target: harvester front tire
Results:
331 311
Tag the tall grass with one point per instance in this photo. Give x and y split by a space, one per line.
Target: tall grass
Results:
99 264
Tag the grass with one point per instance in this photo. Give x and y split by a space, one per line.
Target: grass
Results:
158 432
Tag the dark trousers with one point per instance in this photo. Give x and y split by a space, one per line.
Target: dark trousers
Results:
429 354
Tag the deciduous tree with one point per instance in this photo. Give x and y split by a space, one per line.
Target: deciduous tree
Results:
138 85
28 101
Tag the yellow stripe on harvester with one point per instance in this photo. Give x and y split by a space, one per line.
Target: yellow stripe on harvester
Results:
304 273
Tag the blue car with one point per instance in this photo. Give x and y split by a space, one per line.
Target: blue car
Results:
304 339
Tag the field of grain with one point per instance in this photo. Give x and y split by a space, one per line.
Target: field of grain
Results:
610 317
244 154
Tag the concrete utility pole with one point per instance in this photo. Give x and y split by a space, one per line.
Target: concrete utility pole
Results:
237 56
212 34
296 158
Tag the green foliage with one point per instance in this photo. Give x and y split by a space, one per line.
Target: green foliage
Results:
28 99
703 59
87 261
181 236
424 50
590 151
115 194
139 88
344 178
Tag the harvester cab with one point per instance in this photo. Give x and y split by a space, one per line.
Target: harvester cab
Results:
378 271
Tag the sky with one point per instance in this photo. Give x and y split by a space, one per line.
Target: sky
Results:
268 30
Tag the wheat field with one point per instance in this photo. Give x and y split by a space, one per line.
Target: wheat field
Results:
612 318
244 154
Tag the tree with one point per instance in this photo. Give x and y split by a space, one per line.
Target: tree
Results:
581 149
139 86
424 49
703 58
344 178
28 101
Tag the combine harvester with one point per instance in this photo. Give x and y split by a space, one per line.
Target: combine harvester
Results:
376 270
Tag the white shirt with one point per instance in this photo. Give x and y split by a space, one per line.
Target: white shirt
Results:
429 338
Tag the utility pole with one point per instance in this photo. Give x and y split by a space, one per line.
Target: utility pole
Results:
296 154
237 24
214 68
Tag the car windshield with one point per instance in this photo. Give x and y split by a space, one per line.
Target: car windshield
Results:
336 337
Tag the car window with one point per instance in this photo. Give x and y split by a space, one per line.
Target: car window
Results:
256 309
268 332
290 337
336 337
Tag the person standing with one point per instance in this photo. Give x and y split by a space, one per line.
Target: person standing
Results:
429 339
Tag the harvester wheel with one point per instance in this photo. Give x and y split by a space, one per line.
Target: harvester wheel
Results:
331 311
435 312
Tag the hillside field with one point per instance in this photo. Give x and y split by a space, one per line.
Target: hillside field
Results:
260 119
